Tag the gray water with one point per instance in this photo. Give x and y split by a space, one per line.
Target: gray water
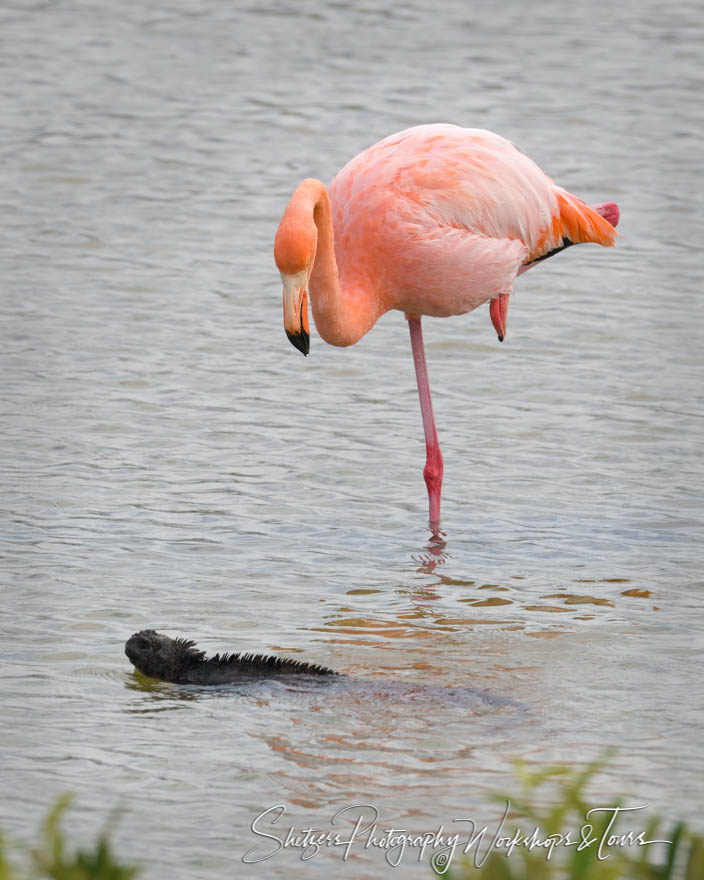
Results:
170 461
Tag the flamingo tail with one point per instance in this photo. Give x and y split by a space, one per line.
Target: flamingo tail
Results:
580 223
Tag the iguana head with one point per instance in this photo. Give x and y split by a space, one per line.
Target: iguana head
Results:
160 656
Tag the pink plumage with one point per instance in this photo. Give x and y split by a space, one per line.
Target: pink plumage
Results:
434 220
438 219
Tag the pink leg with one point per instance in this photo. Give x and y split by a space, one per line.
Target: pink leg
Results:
433 463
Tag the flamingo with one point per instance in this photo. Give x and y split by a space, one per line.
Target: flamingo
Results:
435 220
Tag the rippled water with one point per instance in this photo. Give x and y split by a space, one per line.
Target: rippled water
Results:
170 461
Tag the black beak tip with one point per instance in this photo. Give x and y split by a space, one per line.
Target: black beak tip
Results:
501 338
301 341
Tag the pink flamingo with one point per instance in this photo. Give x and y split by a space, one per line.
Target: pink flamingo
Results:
434 220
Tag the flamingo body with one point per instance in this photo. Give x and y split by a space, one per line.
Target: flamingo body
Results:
438 219
435 220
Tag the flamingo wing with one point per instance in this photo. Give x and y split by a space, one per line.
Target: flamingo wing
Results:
442 206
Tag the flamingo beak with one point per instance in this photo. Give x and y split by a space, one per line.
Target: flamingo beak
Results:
296 310
498 310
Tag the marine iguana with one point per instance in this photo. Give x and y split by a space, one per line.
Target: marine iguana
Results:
179 661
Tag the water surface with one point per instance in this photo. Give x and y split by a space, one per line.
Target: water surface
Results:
170 461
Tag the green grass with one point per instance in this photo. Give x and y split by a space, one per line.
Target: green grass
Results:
554 800
51 858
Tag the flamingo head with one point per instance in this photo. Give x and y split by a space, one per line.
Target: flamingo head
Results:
294 253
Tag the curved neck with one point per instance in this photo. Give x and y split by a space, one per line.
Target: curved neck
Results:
342 316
